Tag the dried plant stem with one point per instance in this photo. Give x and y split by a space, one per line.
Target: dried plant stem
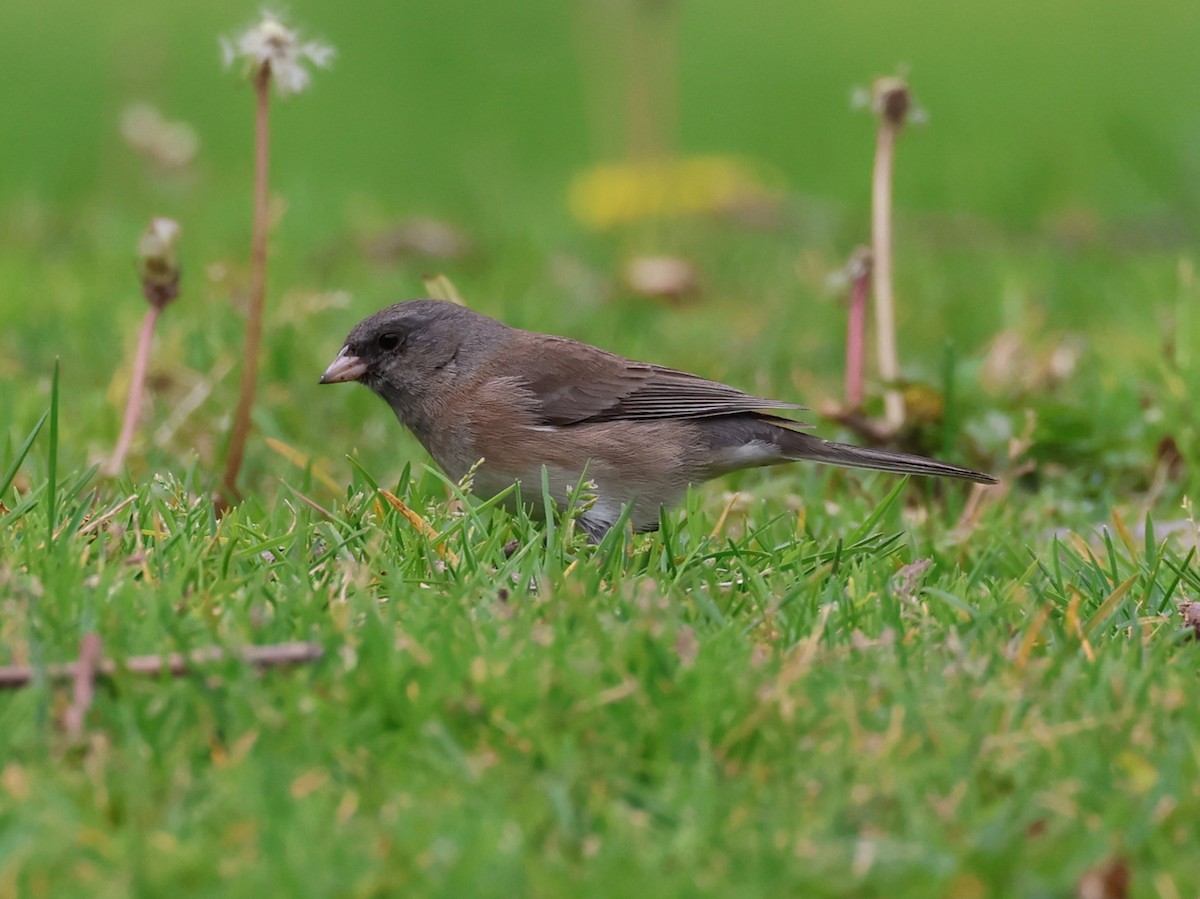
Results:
137 390
881 253
856 330
84 685
258 287
174 664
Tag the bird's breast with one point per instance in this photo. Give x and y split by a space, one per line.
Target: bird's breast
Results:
647 464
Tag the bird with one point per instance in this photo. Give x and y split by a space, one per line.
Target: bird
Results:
541 410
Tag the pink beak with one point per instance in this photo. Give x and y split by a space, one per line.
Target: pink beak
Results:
346 367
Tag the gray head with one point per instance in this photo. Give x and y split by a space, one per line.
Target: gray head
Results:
407 350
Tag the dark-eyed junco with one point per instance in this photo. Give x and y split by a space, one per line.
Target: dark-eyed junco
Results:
471 388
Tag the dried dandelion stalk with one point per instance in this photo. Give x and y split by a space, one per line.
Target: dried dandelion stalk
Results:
270 53
159 270
891 101
240 430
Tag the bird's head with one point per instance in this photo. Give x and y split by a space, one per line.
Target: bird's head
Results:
407 350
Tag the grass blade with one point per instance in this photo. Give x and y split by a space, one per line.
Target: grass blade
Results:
22 452
52 480
882 509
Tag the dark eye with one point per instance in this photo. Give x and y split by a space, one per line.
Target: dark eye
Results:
389 341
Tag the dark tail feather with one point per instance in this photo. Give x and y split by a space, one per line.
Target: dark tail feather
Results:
803 446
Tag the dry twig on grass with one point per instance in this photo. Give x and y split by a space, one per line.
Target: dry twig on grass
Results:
175 664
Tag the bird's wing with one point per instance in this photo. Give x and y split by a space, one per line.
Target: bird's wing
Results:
574 383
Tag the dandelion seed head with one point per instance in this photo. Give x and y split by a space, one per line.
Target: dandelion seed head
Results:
159 238
272 46
891 99
158 264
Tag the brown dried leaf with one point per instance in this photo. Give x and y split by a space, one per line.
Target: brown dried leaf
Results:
1191 616
661 277
420 236
1170 459
1014 362
1107 880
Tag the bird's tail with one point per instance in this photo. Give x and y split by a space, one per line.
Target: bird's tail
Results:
795 445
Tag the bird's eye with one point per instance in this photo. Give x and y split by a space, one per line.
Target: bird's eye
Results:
389 341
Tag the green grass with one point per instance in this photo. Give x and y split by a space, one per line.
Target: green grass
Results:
847 685
771 709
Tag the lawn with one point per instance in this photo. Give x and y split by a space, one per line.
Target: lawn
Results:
810 682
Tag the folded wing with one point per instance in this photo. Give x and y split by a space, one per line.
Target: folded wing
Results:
580 383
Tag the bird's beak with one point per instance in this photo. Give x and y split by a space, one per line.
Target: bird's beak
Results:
346 367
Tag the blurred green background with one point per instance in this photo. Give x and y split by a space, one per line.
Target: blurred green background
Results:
1036 107
1052 190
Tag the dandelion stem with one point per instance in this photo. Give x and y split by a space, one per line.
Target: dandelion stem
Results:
881 250
137 389
159 270
892 102
258 286
856 330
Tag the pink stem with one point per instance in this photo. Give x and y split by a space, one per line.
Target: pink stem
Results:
856 335
84 687
137 388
